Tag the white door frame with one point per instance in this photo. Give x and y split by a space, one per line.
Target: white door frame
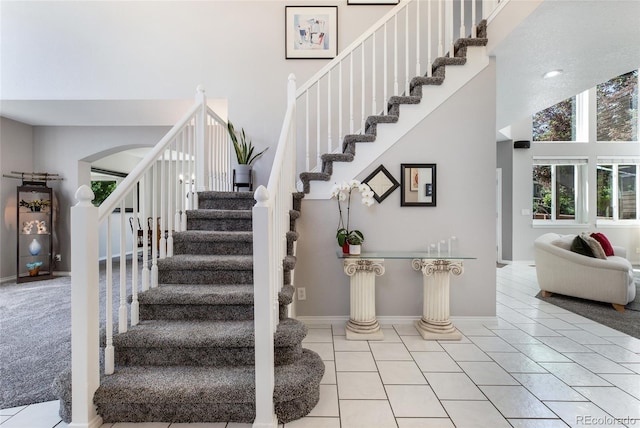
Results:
499 215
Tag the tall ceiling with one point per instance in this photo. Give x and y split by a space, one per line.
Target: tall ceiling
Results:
591 40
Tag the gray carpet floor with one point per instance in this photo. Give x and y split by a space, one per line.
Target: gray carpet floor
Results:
627 322
35 336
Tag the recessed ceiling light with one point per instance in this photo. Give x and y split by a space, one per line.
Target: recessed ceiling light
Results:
552 73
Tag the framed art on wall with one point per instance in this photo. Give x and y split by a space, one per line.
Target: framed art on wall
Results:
418 184
311 32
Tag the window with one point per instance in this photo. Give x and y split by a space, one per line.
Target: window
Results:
558 190
618 191
556 123
617 108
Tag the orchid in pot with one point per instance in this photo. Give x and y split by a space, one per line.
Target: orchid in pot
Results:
342 193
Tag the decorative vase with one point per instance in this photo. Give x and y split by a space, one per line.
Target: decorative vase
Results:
35 247
345 248
354 250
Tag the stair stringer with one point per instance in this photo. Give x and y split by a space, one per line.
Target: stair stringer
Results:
411 115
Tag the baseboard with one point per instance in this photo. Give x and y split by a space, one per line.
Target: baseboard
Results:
387 320
8 279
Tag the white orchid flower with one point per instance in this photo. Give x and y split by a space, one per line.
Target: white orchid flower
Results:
363 188
342 196
344 186
354 184
368 194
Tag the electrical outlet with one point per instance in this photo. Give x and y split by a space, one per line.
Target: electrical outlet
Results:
58 257
302 293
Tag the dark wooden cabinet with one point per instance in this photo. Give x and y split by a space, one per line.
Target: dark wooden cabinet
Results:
35 232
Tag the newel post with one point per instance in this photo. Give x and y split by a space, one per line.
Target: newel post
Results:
85 363
201 138
263 314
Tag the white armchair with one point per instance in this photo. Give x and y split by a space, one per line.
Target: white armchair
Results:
559 270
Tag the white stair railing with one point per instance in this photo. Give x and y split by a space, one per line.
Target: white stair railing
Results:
193 156
379 64
270 227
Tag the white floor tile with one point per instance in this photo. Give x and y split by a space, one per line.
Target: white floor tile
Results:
584 337
161 425
597 363
329 377
435 362
325 350
475 329
360 386
487 373
516 402
328 404
454 386
40 415
414 401
465 352
366 414
199 425
322 335
355 362
616 353
339 329
537 423
602 330
543 327
389 351
400 373
546 386
314 422
580 414
627 342
406 330
563 344
229 425
541 353
635 367
424 423
492 344
574 375
613 401
628 383
340 343
418 344
12 411
516 336
474 414
516 362
390 336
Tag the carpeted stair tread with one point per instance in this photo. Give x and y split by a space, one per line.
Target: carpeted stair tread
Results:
213 242
211 214
206 394
197 334
202 294
206 262
203 195
226 200
213 235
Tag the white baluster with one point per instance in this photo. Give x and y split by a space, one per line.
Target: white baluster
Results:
351 118
122 309
163 190
340 134
145 233
134 261
440 30
385 73
362 86
449 22
318 153
463 30
395 56
418 66
307 139
154 227
183 182
374 108
474 19
179 178
406 50
429 41
329 118
108 350
170 205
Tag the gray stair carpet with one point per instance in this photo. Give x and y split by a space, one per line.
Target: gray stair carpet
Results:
191 358
414 97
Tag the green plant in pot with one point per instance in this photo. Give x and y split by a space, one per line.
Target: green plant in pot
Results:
245 153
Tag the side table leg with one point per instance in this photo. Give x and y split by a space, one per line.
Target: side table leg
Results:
435 323
362 324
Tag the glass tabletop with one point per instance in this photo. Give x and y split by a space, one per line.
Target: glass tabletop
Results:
405 255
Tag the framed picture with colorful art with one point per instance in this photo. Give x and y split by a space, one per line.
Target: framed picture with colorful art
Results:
311 32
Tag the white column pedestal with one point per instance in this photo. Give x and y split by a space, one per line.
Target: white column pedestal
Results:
362 324
435 323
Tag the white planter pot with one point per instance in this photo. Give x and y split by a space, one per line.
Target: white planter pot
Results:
354 250
243 174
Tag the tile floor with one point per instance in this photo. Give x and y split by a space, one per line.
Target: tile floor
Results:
535 365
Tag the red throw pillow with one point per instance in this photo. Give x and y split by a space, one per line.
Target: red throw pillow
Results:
606 245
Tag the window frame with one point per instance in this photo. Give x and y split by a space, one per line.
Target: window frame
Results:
580 166
616 220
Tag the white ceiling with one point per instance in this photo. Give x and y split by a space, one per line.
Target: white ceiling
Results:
591 41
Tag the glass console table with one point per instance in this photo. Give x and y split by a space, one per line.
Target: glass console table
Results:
436 270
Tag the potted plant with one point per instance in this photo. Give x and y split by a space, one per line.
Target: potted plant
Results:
244 153
34 205
350 240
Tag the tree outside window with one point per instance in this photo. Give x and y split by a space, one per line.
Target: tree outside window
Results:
554 192
617 191
605 191
556 123
617 108
627 192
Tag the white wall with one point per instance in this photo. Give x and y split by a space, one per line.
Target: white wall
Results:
163 50
16 154
524 233
460 138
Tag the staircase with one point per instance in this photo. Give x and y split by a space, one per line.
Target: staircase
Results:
191 358
415 96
